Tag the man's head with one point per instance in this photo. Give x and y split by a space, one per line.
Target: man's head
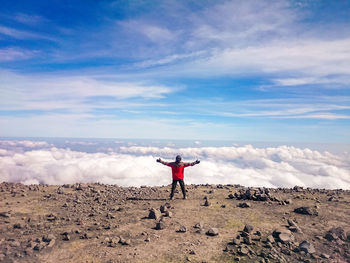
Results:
178 158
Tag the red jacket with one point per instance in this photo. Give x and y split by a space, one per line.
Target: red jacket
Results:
178 170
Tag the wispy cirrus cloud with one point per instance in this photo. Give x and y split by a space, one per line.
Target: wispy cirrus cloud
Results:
23 34
306 59
318 108
45 92
153 32
14 53
319 116
29 19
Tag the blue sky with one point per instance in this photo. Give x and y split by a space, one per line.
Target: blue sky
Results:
235 70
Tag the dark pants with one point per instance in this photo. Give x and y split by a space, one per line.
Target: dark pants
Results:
173 187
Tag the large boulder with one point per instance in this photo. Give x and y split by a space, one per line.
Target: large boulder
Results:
283 235
336 233
306 210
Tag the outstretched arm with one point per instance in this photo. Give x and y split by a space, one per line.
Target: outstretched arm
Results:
162 162
193 163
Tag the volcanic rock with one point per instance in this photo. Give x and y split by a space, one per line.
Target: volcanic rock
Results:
236 241
247 240
283 235
5 214
198 225
306 210
288 201
51 243
248 228
336 233
38 247
168 214
206 203
160 225
154 214
124 242
307 247
243 250
51 217
48 238
18 226
66 236
293 226
212 232
163 209
244 205
182 229
270 239
326 256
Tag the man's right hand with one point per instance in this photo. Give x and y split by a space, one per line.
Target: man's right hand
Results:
158 160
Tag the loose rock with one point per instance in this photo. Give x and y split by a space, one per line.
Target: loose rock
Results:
154 214
336 233
198 225
244 205
182 229
305 210
283 235
160 225
206 203
213 231
248 228
307 247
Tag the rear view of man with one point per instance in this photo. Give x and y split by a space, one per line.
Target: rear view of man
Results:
177 168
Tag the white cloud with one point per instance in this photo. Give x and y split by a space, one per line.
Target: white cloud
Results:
22 34
24 143
248 38
154 33
28 19
314 107
11 53
134 166
242 23
320 116
45 92
307 58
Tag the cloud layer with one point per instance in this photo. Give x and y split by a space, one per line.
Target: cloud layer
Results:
38 162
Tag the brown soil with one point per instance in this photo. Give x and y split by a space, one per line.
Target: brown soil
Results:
94 217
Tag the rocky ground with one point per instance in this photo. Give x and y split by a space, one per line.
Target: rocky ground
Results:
217 223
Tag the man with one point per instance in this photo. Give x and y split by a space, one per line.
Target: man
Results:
177 168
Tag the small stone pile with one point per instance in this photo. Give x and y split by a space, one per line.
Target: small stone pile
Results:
113 242
158 215
277 246
254 194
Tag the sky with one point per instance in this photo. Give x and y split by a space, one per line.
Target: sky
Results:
257 70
